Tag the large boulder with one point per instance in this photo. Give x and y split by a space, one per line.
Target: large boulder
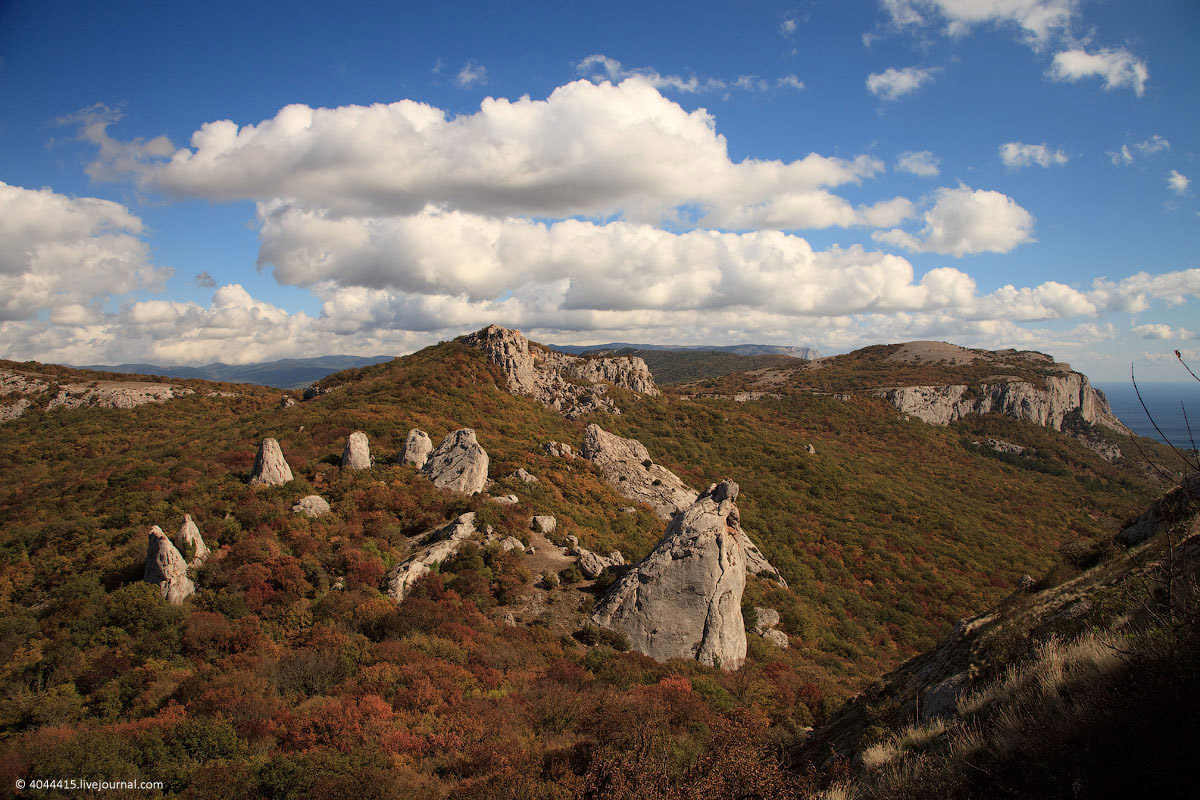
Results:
459 463
592 564
416 448
166 568
189 539
437 546
270 468
684 600
626 465
357 454
311 506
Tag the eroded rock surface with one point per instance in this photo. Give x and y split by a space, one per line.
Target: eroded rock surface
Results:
459 463
543 524
115 394
523 475
270 468
684 599
166 569
311 506
436 546
552 377
559 450
357 454
592 564
417 447
768 618
626 465
189 539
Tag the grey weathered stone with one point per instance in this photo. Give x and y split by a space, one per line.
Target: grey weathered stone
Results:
592 564
189 538
808 448
286 401
311 506
559 450
941 699
767 619
357 454
166 568
543 524
459 463
522 475
553 378
626 465
777 638
270 468
684 599
438 545
511 543
506 499
416 448
757 564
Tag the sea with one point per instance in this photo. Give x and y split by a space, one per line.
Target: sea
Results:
1166 403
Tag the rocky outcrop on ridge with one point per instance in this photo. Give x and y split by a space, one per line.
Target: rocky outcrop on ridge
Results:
417 447
437 546
270 468
189 539
684 600
592 564
626 465
166 568
312 506
459 463
552 377
13 410
1064 395
357 454
115 394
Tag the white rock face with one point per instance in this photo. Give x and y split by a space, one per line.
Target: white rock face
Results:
459 463
270 468
543 524
312 506
166 568
592 564
684 600
189 537
357 454
559 450
115 394
543 374
941 405
768 618
522 475
416 448
626 465
438 545
13 410
506 499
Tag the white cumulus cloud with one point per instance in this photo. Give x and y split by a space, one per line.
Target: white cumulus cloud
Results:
965 220
1037 20
599 67
67 254
892 83
1018 154
922 163
1117 66
1178 183
471 74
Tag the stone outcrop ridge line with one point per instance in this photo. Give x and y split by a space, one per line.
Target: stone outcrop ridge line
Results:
684 600
438 545
550 376
166 568
270 467
1051 406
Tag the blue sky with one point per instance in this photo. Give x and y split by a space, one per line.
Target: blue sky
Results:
189 183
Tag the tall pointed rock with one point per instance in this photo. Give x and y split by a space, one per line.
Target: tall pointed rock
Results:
270 468
189 538
357 454
166 568
459 463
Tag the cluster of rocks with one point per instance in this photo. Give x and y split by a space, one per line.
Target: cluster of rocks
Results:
93 394
592 564
436 546
764 626
1001 446
166 563
626 465
684 600
555 378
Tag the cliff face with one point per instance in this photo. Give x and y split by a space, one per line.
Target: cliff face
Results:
1050 406
552 377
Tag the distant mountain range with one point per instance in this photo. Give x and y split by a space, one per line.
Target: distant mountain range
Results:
286 373
809 353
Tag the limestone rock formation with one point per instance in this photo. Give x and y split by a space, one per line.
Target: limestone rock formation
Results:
416 448
270 468
559 450
311 506
626 465
553 378
522 475
543 524
459 463
14 409
592 564
357 454
189 538
115 394
506 499
286 401
768 618
438 545
684 599
166 568
1063 395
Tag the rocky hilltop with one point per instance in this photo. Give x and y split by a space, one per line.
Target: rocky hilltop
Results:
19 389
555 378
